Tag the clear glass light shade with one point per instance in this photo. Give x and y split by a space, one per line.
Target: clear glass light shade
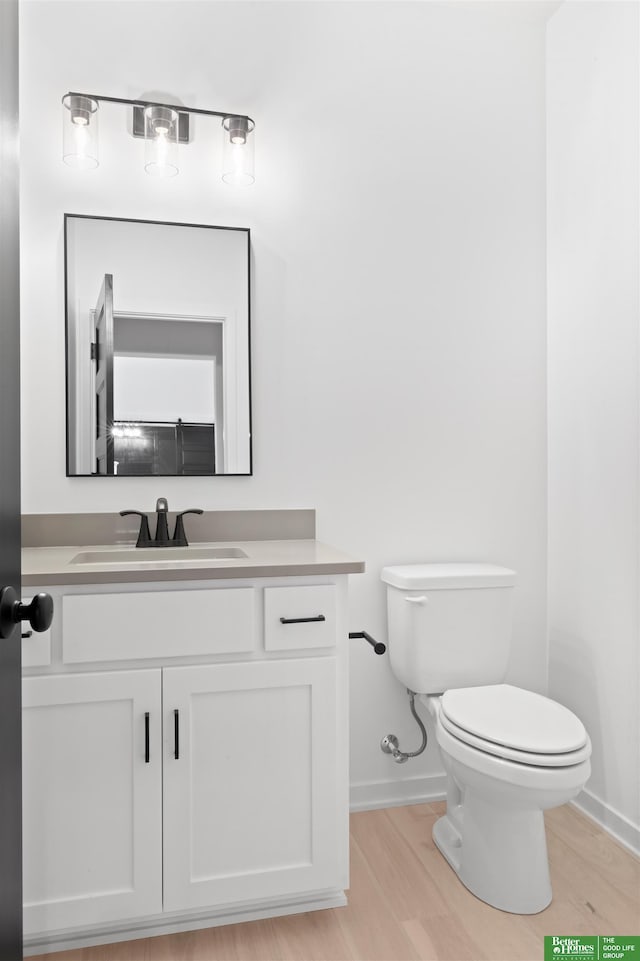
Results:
238 151
161 141
80 132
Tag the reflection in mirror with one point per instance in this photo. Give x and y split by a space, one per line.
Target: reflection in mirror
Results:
158 379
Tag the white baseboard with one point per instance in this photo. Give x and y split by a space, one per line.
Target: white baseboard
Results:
387 794
370 795
173 924
617 825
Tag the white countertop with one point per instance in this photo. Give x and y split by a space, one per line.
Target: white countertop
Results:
42 566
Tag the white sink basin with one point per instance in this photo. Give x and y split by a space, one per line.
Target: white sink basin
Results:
157 555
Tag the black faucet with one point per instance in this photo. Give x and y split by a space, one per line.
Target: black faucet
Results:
162 531
161 538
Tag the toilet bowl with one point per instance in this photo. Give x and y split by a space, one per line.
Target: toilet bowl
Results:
509 754
493 833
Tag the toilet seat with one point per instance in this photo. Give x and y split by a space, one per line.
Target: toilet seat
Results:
514 724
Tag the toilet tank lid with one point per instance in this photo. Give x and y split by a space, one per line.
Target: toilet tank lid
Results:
437 577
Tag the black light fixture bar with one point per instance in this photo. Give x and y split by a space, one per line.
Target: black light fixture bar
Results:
154 103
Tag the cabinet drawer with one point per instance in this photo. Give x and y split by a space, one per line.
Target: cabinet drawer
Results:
299 617
115 627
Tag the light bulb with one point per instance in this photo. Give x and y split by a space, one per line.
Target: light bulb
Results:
238 152
80 131
161 141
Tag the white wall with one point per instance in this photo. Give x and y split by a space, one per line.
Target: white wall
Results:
593 130
162 270
164 389
398 230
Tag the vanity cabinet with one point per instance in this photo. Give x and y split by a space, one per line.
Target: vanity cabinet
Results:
92 809
249 781
184 786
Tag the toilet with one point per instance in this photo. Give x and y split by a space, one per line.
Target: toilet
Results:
509 754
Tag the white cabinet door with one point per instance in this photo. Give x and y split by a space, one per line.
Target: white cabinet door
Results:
92 800
250 802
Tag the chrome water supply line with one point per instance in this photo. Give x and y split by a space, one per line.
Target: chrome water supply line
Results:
390 744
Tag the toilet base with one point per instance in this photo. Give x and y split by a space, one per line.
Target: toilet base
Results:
499 854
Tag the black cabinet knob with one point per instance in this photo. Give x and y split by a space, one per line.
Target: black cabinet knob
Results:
39 612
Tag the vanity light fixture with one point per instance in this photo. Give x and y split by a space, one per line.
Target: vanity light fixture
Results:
164 127
125 430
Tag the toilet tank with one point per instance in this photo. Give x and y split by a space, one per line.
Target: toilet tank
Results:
449 624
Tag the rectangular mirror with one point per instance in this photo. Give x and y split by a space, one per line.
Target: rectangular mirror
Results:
158 362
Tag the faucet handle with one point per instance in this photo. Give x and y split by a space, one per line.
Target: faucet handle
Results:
144 535
179 536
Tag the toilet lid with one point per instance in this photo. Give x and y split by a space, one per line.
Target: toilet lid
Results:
512 722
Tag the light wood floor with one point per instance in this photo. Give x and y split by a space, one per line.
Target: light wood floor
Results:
406 903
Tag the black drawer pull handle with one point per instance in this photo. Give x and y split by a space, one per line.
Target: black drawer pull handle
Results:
27 634
146 738
176 734
302 620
